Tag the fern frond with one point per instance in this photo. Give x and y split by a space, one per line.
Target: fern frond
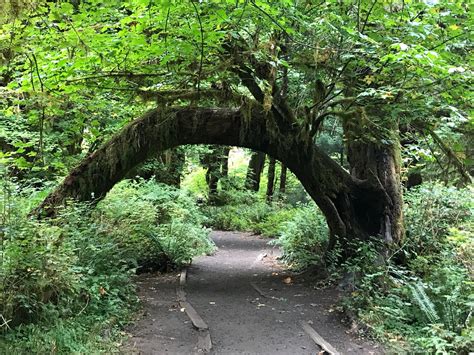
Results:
424 302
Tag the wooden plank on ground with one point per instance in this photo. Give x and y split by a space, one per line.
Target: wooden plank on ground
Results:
180 294
183 276
204 342
318 339
260 292
196 319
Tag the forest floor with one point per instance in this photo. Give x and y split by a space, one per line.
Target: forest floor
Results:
249 302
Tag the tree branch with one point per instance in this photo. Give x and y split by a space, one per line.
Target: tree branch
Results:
115 75
202 45
281 113
447 40
451 155
367 17
168 96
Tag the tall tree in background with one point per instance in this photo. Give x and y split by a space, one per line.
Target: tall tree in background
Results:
216 163
282 187
211 161
271 179
167 168
225 162
254 171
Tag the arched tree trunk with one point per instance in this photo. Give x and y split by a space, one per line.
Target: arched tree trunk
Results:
346 201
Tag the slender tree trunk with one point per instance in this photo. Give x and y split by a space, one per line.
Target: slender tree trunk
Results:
225 162
282 188
174 165
254 171
271 179
224 168
212 180
212 162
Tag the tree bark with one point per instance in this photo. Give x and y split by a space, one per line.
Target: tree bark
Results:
212 162
354 207
282 188
365 205
225 162
378 163
254 171
271 179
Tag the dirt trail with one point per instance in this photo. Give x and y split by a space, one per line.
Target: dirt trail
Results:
221 288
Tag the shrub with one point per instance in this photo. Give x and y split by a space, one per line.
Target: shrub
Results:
37 269
241 217
61 279
67 280
273 224
430 211
157 223
304 237
236 197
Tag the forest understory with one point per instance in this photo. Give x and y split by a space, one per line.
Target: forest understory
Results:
69 283
338 134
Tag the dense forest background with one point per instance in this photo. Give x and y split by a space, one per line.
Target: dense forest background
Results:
367 103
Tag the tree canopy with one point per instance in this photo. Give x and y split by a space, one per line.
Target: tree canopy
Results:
79 68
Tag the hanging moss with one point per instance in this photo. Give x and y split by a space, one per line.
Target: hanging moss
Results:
247 111
353 208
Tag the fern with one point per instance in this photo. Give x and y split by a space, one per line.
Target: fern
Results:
424 302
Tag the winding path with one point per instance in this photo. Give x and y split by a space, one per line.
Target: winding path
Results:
249 303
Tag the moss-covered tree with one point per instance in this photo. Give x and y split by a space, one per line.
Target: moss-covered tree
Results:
274 75
347 201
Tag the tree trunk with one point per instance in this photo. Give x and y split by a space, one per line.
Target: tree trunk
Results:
212 179
225 162
282 188
174 160
212 162
254 171
355 206
271 179
414 179
377 162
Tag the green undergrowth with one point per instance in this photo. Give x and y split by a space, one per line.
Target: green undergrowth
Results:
303 237
421 299
160 224
67 282
238 210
